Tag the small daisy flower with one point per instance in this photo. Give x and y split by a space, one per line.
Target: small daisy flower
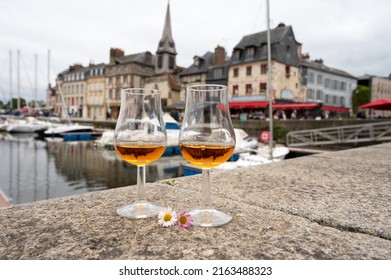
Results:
185 220
167 217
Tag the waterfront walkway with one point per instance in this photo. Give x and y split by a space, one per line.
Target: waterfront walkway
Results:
332 205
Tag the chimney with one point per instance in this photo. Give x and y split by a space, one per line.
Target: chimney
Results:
148 58
219 56
305 55
115 53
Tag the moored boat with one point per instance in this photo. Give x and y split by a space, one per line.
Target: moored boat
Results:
70 132
27 125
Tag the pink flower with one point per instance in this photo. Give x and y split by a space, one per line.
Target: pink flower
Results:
185 220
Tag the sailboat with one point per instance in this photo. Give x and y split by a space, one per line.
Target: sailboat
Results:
69 131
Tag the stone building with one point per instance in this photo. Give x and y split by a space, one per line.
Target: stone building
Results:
211 68
329 86
73 83
125 71
248 67
95 100
166 73
380 88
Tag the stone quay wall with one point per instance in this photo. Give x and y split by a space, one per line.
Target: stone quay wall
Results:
333 205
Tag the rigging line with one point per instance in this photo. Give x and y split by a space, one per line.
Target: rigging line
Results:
28 77
257 16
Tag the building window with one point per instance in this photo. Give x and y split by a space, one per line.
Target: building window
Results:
342 101
236 55
319 95
235 90
171 62
343 86
218 73
327 99
335 100
160 61
310 94
236 72
319 79
263 48
311 78
262 87
250 51
249 89
327 83
248 70
287 71
335 85
263 68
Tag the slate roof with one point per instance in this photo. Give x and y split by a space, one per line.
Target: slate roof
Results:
280 38
321 67
135 58
257 39
205 62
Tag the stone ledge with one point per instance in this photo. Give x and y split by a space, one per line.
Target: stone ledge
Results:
329 206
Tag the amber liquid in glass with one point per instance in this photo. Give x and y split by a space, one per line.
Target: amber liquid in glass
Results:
206 156
139 155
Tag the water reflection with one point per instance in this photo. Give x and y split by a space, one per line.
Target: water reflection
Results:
34 170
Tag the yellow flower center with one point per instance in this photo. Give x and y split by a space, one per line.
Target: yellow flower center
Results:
183 220
167 217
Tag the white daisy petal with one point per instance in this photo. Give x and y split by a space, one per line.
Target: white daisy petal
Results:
167 217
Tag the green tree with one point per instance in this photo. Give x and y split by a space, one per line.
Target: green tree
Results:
361 95
14 103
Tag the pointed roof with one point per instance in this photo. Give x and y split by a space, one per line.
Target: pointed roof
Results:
166 43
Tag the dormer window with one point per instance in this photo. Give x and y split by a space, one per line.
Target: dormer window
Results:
250 51
197 61
236 54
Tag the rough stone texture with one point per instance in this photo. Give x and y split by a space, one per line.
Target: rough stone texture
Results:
330 206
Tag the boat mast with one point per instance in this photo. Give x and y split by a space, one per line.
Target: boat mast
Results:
269 81
18 77
48 67
35 85
11 105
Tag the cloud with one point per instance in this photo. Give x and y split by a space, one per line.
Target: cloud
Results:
349 35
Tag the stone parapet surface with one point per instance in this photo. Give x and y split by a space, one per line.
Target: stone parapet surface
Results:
333 205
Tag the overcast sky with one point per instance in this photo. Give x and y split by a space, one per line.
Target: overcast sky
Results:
350 35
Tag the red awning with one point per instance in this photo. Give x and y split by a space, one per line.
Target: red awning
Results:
335 109
248 104
296 106
381 104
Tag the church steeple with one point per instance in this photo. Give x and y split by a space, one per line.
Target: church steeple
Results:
166 52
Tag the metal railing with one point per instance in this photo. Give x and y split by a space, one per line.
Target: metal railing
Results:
369 132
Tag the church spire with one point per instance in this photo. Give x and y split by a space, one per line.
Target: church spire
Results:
166 51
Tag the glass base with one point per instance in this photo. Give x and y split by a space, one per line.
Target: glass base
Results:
139 210
209 217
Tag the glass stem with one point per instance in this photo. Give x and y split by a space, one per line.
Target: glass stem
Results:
205 191
141 182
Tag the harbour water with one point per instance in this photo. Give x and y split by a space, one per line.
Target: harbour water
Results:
33 170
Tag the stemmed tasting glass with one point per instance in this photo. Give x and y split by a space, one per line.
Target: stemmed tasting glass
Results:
140 138
207 139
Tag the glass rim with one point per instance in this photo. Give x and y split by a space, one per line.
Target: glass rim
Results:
141 91
204 87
